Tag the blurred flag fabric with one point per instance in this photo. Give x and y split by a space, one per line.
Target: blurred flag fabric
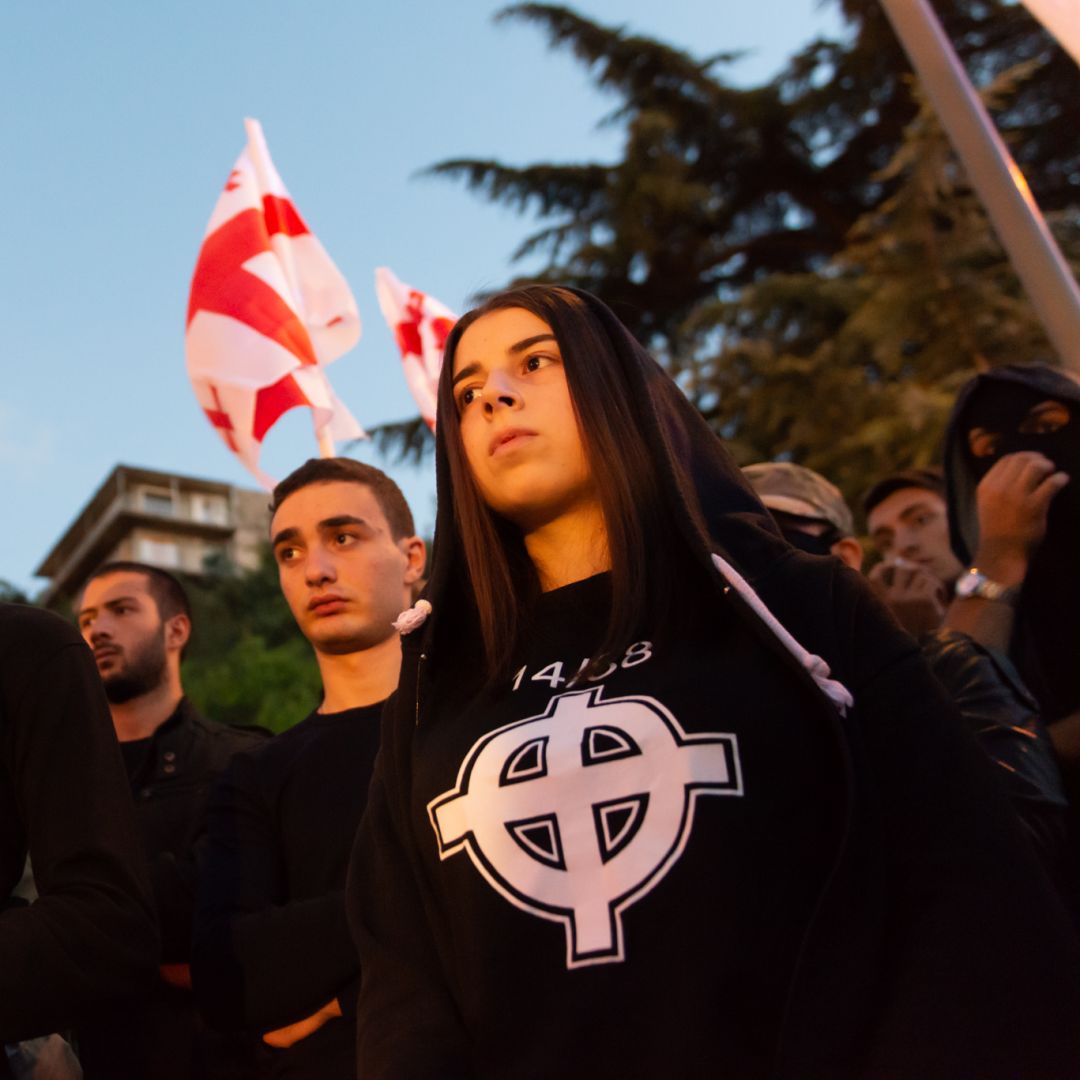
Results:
1062 19
421 325
268 311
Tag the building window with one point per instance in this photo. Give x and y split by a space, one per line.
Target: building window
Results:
209 509
156 501
164 553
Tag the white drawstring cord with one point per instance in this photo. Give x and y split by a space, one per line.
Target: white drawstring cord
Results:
415 617
814 665
412 618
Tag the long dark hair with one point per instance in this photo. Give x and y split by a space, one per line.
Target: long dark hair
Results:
652 569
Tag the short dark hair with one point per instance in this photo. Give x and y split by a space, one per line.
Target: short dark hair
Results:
326 470
169 595
929 479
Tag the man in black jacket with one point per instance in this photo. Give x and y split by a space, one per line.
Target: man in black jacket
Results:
137 619
272 951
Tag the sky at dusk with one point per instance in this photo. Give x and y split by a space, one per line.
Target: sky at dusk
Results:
121 122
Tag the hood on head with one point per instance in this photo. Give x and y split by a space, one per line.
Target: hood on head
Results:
1020 384
714 506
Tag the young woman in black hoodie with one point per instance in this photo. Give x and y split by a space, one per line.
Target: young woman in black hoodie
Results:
659 795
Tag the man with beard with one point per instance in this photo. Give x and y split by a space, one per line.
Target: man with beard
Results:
137 620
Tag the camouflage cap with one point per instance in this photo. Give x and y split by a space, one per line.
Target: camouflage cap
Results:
794 489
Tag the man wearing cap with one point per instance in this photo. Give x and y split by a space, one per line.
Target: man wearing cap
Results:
990 695
811 512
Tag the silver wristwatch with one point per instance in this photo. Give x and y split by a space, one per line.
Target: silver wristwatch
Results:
973 582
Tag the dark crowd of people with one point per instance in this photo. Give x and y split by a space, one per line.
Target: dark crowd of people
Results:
639 777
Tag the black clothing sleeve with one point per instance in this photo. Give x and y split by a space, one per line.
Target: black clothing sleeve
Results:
174 881
408 1023
260 961
977 967
1004 718
91 935
170 785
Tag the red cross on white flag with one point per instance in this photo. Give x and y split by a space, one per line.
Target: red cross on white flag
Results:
420 325
268 311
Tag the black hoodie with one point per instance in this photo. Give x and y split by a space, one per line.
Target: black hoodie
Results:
1046 636
929 944
90 938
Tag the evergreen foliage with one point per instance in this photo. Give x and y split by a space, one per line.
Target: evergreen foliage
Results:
247 662
805 256
11 594
853 369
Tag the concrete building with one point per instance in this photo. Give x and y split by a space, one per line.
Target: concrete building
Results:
175 522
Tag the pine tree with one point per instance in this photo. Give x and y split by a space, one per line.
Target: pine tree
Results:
852 369
804 256
714 186
247 662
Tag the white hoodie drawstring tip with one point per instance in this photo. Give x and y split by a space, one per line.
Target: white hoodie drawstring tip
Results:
412 618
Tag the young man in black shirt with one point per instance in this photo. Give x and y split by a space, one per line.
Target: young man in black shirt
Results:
137 619
272 950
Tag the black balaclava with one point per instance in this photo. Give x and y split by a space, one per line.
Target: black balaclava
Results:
812 545
817 542
1046 640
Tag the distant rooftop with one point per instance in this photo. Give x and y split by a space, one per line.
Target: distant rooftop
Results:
161 518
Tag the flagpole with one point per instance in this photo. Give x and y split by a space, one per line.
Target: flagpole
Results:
326 444
993 174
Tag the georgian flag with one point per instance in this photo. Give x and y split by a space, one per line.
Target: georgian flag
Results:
1062 19
420 325
268 311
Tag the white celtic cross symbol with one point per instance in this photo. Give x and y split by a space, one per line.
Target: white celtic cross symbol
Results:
575 814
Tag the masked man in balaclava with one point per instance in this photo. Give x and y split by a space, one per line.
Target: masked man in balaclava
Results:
1012 465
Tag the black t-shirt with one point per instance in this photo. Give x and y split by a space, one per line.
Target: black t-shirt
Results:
134 753
622 867
272 943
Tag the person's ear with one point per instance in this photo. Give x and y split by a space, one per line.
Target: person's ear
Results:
177 632
849 551
415 552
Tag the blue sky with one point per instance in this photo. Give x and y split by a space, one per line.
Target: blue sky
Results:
121 122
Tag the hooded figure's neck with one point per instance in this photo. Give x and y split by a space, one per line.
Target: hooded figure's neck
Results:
570 548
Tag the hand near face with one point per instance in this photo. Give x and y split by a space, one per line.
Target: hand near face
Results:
916 597
1012 502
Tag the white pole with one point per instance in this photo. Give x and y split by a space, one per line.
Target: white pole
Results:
326 443
994 175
